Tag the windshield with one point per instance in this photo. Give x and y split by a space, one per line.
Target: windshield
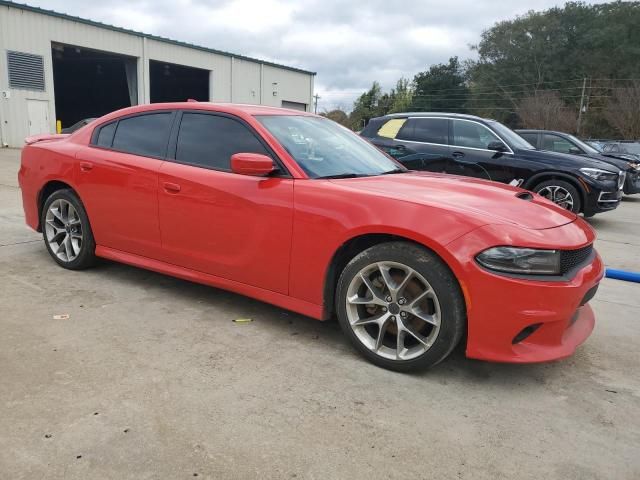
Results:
596 145
583 145
631 148
325 149
512 138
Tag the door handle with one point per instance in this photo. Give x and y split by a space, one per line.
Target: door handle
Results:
457 155
171 187
399 147
86 166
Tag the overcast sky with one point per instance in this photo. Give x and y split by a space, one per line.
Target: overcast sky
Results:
349 43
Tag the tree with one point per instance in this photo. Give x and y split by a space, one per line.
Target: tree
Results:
545 110
369 105
441 88
401 96
554 50
623 111
338 116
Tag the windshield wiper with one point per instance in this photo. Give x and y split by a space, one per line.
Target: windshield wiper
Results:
345 175
395 170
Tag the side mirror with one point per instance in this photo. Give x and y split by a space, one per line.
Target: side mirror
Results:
254 164
497 146
575 151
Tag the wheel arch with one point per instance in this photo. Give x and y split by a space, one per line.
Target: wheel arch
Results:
358 243
47 189
544 176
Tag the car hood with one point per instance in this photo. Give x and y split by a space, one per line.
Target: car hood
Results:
566 160
612 160
489 201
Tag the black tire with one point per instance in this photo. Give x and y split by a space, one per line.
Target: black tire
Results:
442 281
86 257
572 190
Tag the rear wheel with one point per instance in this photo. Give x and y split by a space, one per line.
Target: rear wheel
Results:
66 230
400 306
561 193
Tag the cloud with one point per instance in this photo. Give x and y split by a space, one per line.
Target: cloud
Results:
349 43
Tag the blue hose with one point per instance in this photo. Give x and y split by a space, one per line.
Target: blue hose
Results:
623 275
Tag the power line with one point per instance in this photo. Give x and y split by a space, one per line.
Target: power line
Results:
492 89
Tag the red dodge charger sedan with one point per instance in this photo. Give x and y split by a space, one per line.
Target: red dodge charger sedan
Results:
293 209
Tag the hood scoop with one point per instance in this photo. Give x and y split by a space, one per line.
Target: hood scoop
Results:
524 196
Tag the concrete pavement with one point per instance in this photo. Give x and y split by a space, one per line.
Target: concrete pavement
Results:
150 378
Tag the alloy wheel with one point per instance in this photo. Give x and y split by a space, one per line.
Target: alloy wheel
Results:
558 195
63 230
393 310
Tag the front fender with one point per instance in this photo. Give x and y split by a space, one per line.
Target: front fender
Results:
326 218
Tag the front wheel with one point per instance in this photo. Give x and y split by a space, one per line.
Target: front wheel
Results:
400 306
561 193
66 230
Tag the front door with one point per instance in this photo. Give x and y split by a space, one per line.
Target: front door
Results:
38 116
214 221
471 157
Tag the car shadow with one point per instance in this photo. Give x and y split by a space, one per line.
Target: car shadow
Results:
327 335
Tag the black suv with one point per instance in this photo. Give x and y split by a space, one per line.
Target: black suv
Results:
476 147
566 143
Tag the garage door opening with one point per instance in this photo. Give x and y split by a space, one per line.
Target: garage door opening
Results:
176 83
89 83
294 105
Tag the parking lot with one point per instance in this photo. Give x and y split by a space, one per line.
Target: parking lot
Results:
149 377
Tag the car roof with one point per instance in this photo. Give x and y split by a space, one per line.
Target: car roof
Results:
536 130
436 114
231 108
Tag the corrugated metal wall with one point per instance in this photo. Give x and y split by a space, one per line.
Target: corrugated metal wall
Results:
232 79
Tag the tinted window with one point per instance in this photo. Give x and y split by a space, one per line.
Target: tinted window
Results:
209 140
430 130
530 137
105 135
556 143
143 135
473 135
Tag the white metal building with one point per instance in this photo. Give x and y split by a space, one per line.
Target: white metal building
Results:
57 67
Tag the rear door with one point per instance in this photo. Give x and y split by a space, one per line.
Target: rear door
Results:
419 143
118 181
214 221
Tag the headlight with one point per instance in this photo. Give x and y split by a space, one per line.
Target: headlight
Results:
527 261
600 175
634 166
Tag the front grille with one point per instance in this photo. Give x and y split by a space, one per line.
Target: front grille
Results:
570 259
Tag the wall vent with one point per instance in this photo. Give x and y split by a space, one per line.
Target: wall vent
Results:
26 71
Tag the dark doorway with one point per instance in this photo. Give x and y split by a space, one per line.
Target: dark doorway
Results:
90 83
176 83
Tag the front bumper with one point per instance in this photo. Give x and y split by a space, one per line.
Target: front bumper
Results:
599 201
525 321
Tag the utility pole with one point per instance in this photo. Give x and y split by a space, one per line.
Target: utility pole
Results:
582 105
315 108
